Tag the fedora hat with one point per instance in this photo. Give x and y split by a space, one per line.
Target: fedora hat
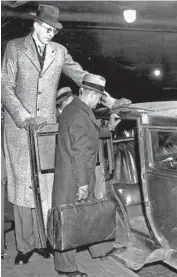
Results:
50 15
94 82
63 94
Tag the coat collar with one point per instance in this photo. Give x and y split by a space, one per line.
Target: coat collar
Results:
32 55
82 105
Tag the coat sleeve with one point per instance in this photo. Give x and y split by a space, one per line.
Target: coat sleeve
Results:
73 69
8 82
82 150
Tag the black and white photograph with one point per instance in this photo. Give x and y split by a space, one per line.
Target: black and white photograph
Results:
89 138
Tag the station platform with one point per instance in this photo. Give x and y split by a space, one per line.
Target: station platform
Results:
39 267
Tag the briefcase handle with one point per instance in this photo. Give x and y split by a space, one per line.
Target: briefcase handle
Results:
85 201
90 201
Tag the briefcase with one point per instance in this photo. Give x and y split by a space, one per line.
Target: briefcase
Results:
71 226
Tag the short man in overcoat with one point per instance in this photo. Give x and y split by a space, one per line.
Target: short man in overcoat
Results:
64 98
76 152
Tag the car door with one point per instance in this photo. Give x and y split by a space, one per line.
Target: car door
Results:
158 155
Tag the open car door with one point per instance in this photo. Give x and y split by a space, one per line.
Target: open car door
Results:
42 144
158 156
156 137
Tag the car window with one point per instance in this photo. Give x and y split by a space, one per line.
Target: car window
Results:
164 148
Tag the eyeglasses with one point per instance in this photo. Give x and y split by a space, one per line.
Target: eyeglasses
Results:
50 30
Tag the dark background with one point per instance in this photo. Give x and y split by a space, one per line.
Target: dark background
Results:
96 36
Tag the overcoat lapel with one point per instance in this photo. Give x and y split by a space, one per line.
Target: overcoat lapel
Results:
31 52
49 58
92 117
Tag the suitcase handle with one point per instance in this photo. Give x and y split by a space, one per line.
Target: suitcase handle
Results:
86 201
92 200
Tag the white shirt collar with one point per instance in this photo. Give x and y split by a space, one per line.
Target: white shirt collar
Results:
37 41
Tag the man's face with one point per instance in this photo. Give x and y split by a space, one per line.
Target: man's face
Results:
95 99
44 32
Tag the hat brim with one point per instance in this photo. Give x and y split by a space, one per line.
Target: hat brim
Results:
62 99
56 25
94 89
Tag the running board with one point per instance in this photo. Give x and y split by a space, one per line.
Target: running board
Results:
135 258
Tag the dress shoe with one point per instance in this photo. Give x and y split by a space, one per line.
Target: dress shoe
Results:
23 258
113 251
76 273
43 252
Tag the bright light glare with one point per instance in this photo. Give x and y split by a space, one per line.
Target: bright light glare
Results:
129 16
157 72
128 199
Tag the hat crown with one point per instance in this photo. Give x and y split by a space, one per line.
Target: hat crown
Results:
63 90
49 14
95 82
48 11
63 94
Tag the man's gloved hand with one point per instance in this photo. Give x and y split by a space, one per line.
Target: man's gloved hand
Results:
82 192
114 121
120 103
37 122
107 100
112 103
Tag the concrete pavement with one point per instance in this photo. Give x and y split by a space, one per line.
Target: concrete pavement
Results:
39 267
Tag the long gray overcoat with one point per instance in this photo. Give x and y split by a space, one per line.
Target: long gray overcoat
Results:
28 91
78 139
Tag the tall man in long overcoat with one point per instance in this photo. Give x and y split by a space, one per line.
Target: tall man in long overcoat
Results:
31 70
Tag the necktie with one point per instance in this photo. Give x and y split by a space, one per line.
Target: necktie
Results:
41 49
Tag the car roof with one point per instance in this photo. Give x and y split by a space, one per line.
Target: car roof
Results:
162 113
155 106
155 112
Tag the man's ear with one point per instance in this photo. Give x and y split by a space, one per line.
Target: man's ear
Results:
35 25
80 91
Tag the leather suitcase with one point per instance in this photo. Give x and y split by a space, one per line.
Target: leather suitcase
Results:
71 226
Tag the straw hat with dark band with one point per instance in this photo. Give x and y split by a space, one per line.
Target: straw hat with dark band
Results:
63 94
94 82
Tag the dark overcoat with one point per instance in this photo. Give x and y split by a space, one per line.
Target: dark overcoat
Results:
78 139
29 91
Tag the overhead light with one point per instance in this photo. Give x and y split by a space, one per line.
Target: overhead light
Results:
157 72
129 15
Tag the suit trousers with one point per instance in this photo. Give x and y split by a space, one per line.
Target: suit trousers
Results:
66 261
26 231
